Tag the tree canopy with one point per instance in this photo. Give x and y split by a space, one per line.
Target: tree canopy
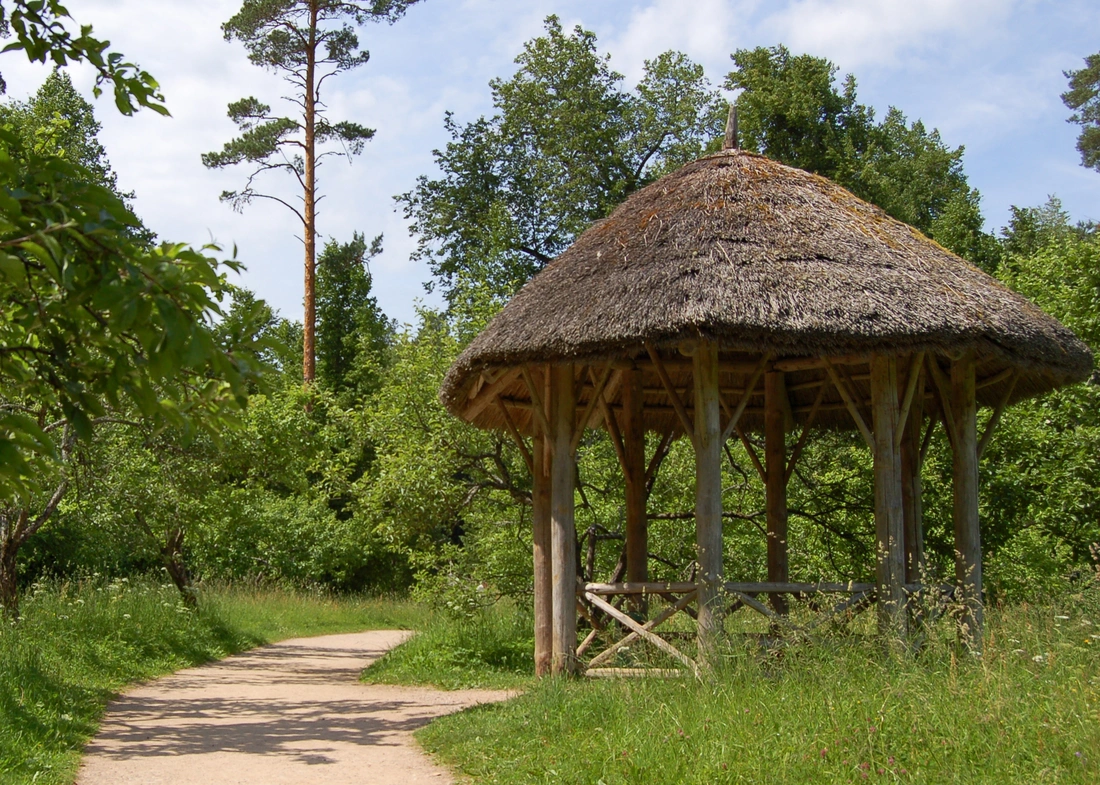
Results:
306 42
790 108
567 143
1083 97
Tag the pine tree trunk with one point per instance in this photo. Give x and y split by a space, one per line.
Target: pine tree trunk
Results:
309 324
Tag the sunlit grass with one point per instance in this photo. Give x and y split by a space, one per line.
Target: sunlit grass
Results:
78 643
834 710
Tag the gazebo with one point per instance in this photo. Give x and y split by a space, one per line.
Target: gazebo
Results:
740 295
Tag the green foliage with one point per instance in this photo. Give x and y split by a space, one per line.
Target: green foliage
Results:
790 109
40 30
457 516
96 321
59 121
352 332
1083 97
566 145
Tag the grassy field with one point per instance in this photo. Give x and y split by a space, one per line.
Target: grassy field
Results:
78 643
834 711
491 650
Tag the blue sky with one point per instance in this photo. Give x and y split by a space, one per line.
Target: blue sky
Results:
987 73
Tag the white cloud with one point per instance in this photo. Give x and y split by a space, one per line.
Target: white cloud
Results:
706 30
880 32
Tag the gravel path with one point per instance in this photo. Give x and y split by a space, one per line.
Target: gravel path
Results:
293 712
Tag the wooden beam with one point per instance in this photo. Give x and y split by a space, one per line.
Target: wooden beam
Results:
541 547
514 431
751 602
796 453
996 378
968 543
641 631
655 462
596 396
488 394
674 397
809 363
915 365
927 440
797 588
943 388
889 513
851 603
563 528
851 404
775 483
647 587
613 430
912 488
637 535
996 418
538 408
744 402
708 494
650 625
752 456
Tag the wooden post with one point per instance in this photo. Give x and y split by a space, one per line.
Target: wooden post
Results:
775 472
540 518
968 544
889 515
912 488
708 493
563 536
634 471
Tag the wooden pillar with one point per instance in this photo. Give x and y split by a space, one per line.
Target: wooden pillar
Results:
637 536
563 535
540 518
775 471
968 544
889 516
912 489
708 492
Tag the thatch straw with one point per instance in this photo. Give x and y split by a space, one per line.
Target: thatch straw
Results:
765 258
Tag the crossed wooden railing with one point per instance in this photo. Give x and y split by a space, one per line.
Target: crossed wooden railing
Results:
592 597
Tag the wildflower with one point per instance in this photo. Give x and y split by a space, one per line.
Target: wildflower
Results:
126 616
1018 651
1038 658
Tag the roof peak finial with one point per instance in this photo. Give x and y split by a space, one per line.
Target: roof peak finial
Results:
731 142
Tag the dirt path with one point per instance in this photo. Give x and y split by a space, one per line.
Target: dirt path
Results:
294 712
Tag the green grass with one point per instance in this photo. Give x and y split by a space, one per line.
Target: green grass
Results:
79 643
491 650
836 711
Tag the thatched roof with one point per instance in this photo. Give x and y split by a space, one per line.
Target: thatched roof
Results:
763 257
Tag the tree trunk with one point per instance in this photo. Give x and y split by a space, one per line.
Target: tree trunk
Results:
309 323
177 567
9 577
